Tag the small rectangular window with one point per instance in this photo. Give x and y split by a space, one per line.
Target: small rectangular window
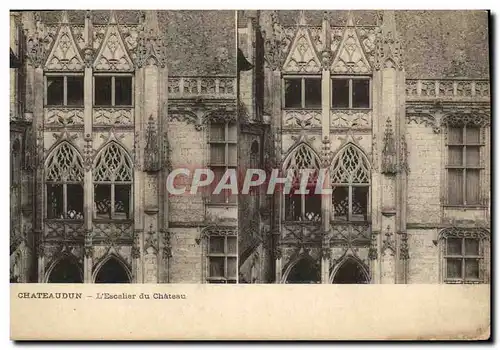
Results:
64 201
340 93
55 91
350 93
350 203
303 92
462 258
222 259
360 93
102 200
123 91
293 207
313 93
102 91
75 201
122 201
113 90
55 201
293 93
75 90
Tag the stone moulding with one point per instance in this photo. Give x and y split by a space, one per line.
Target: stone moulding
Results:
217 87
450 89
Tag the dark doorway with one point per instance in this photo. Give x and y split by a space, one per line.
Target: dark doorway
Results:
112 272
66 271
350 273
305 271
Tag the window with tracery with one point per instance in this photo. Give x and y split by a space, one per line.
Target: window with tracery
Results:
300 206
64 183
113 177
464 252
350 180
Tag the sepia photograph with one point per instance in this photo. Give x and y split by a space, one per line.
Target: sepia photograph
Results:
304 147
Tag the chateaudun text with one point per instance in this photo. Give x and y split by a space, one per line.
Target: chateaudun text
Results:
129 296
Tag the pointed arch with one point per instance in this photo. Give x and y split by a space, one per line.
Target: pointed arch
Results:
112 269
350 166
300 207
113 163
64 163
65 269
64 176
302 156
303 269
350 177
350 270
113 178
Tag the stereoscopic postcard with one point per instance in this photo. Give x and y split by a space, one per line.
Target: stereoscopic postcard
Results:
332 166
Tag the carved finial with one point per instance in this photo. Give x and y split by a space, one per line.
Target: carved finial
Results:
64 17
325 15
88 36
151 49
112 17
389 156
302 18
389 51
151 20
389 22
350 19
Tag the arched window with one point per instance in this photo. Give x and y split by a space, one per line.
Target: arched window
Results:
350 272
64 183
113 183
112 271
67 270
304 271
350 180
302 207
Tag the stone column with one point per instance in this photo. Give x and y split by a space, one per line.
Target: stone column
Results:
39 96
137 249
389 114
276 121
88 202
326 198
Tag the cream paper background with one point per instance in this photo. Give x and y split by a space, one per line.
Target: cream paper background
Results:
255 312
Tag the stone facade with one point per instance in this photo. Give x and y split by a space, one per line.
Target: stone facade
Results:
376 98
110 102
395 105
